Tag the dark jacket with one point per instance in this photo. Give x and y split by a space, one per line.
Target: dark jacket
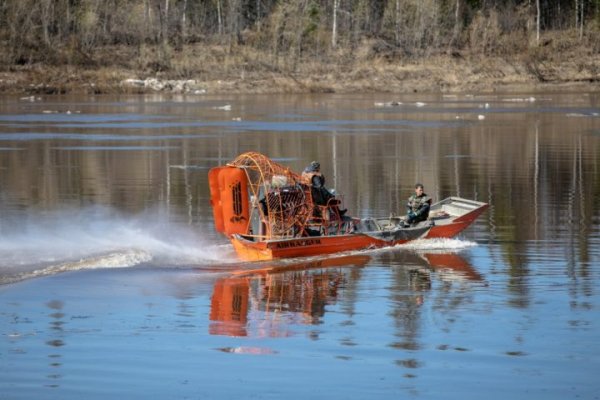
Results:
418 207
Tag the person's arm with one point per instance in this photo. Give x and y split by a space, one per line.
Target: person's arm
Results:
409 210
317 181
423 209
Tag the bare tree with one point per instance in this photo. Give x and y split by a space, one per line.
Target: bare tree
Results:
46 10
576 14
183 20
220 17
581 20
397 23
147 18
334 33
258 15
537 4
456 22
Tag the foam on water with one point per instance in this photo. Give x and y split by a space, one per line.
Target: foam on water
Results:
438 245
120 259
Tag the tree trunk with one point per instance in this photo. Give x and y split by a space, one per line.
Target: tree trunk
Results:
397 23
147 19
581 20
183 21
576 14
165 24
537 3
336 5
258 15
234 22
220 17
45 19
456 22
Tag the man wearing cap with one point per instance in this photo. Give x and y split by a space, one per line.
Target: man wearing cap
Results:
321 195
312 175
418 206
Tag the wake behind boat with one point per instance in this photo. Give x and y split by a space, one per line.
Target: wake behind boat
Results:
269 211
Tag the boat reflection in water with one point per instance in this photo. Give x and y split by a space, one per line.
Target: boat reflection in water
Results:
265 302
269 301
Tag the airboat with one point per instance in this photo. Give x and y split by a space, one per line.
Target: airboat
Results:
267 211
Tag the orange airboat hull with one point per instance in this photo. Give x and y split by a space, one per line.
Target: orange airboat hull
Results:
305 247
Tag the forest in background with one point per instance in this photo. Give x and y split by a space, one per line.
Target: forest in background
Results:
298 45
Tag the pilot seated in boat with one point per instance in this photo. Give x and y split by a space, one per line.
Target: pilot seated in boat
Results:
321 195
418 206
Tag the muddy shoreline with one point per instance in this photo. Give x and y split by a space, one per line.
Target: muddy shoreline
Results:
443 74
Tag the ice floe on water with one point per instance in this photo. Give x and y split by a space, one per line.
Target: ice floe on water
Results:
226 107
582 114
388 104
521 100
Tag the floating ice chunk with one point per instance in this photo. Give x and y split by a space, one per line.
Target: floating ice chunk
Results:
521 100
226 107
592 114
388 104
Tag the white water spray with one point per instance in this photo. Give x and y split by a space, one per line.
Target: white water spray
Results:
42 244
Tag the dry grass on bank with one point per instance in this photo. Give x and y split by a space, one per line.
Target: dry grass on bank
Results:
220 69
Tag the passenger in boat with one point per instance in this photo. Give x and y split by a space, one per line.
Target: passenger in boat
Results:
418 206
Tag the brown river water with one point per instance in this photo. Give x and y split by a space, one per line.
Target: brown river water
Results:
114 283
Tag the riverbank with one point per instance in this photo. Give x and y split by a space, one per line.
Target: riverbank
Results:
200 70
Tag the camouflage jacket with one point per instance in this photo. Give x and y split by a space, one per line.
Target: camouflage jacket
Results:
415 203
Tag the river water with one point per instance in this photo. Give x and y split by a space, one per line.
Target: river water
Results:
114 283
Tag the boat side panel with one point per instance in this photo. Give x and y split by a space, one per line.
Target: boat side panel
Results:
472 216
251 251
458 225
447 230
322 245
